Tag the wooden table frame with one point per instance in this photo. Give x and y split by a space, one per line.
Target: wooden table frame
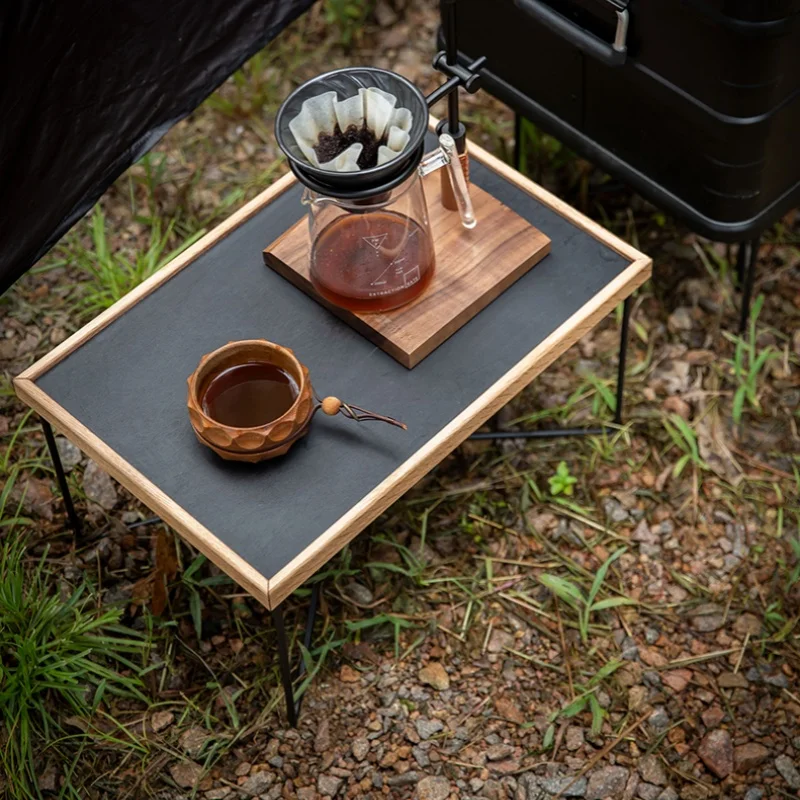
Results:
271 592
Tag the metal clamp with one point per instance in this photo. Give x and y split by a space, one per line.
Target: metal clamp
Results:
614 55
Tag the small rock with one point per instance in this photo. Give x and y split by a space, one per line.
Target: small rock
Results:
749 756
668 794
574 738
694 791
434 674
98 487
421 757
322 741
607 782
219 793
508 709
433 788
637 695
680 319
732 680
360 748
644 534
499 641
788 771
677 679
754 793
652 657
708 617
716 750
712 717
428 727
405 779
659 719
243 769
69 454
497 752
747 623
359 593
647 791
48 780
778 680
349 675
566 786
161 720
652 770
651 635
193 740
257 783
329 785
187 774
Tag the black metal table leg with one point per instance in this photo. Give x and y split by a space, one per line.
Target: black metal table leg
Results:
746 260
623 359
284 664
284 661
74 521
556 433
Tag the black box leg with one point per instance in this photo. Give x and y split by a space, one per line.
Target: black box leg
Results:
746 260
74 522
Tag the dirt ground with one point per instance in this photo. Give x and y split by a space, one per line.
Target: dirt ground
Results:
469 643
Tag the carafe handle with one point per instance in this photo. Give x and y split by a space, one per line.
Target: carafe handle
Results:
446 155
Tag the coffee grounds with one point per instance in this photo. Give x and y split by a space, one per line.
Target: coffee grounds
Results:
332 145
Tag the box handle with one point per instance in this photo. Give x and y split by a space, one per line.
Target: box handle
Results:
614 55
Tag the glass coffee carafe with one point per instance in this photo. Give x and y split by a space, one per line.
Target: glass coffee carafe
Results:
372 249
377 253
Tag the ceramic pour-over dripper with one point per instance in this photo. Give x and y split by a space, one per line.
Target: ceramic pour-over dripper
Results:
274 436
367 129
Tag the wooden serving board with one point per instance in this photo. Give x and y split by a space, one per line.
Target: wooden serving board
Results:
472 269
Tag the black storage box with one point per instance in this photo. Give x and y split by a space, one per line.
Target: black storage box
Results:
696 103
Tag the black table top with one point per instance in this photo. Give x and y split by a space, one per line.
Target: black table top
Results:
127 384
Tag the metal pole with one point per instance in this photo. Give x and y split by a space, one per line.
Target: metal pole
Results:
517 141
74 522
623 357
448 11
285 668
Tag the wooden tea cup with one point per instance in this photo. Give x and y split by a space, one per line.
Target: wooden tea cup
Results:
265 441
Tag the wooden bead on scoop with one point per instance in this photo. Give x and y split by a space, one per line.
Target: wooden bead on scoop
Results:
331 406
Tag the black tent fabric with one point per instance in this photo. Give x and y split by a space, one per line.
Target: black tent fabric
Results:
88 86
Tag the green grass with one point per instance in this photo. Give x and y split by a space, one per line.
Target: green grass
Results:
58 657
112 274
748 364
585 605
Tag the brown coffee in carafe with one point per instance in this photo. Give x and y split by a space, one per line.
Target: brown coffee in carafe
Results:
249 395
372 262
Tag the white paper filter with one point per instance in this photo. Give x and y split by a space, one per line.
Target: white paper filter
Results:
373 106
